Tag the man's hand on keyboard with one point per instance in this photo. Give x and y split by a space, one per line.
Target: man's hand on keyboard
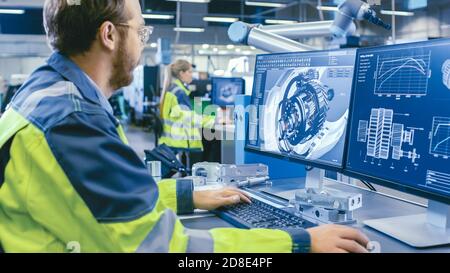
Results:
337 239
210 200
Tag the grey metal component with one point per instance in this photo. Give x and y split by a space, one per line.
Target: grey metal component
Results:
230 174
301 30
239 31
325 205
211 171
412 230
252 181
325 216
329 199
422 230
237 173
348 11
245 170
314 179
242 33
354 9
438 214
275 43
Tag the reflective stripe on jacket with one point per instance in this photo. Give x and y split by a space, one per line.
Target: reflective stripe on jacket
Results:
68 177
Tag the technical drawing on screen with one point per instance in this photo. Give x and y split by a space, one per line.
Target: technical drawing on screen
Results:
401 132
302 104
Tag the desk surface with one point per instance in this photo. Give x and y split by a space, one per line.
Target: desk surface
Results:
374 206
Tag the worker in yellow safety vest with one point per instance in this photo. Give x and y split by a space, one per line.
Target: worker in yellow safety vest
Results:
182 126
68 177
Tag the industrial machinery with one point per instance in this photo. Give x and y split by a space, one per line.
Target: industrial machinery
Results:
279 38
231 175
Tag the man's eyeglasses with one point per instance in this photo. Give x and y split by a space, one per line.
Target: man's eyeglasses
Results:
144 32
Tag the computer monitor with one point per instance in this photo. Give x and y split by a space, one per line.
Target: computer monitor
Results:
399 132
225 90
300 106
200 88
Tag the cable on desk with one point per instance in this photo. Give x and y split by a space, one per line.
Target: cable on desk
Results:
369 185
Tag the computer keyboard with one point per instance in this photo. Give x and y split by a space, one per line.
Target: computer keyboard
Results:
260 215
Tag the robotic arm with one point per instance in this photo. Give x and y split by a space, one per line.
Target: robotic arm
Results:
279 38
354 9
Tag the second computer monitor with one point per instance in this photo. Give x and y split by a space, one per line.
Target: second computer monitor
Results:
300 105
400 127
225 90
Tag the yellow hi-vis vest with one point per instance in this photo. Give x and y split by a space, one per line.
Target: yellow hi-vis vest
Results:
182 126
69 181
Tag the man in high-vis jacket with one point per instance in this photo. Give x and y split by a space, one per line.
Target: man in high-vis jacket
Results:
67 175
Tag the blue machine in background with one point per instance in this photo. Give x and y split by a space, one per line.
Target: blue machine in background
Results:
225 90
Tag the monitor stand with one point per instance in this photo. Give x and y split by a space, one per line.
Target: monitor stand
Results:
422 230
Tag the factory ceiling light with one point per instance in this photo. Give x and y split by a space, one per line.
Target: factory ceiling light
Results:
220 19
327 8
189 29
397 13
158 16
280 22
191 1
265 4
12 11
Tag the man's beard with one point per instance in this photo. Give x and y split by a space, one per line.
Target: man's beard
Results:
123 66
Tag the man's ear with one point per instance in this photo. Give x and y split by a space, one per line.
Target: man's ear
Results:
108 36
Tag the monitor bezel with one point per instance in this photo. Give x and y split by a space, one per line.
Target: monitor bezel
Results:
213 96
396 185
306 162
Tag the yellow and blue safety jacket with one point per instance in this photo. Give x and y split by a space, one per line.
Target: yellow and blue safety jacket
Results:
182 126
68 176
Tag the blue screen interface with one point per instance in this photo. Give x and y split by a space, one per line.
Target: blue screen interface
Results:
400 128
225 90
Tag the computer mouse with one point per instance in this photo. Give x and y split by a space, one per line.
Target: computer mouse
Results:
374 247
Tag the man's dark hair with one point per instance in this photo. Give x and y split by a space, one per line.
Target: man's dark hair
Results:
72 25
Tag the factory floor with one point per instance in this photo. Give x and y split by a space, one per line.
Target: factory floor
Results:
139 139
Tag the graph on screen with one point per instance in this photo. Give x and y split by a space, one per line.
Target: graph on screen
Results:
440 137
402 75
